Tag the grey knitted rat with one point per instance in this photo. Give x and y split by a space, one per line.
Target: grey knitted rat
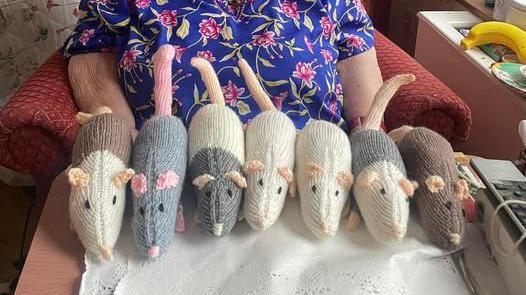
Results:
98 177
381 187
216 152
270 141
159 160
429 159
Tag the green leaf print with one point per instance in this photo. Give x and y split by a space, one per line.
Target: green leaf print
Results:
308 23
184 28
275 83
242 107
266 63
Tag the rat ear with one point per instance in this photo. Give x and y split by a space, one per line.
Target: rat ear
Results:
166 180
345 179
286 173
461 189
434 183
122 177
138 185
367 179
407 186
78 178
253 166
237 178
202 180
314 169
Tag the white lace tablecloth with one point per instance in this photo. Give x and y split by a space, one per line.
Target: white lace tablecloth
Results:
286 259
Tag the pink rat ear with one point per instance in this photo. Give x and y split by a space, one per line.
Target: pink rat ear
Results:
253 166
237 178
314 169
461 189
435 183
138 185
407 186
78 178
202 180
367 179
286 173
122 177
345 179
167 179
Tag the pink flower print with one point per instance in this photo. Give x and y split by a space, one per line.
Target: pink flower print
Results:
167 180
142 3
86 36
304 72
333 106
354 41
277 100
128 59
310 46
327 26
359 7
290 9
138 184
232 92
210 29
179 51
327 56
168 18
266 39
207 54
339 89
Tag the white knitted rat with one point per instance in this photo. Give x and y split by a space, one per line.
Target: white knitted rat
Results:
270 141
98 179
323 174
216 147
382 189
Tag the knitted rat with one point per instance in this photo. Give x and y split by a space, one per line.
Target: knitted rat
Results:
270 140
381 188
159 160
324 178
98 177
216 152
429 159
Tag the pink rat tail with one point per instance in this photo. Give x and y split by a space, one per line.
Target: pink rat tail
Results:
162 90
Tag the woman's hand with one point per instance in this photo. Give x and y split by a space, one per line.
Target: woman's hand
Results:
93 78
361 79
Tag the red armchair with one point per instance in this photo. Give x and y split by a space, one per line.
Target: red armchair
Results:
38 128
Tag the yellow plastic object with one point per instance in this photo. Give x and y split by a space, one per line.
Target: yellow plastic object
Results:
499 33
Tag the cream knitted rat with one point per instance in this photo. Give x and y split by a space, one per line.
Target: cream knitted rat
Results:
270 141
159 160
323 175
216 151
381 187
429 159
98 177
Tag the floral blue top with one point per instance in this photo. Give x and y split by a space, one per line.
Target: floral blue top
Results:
293 47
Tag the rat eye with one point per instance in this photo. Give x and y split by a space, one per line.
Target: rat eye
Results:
337 193
280 189
260 182
161 207
382 191
229 192
87 205
141 211
314 188
208 194
114 200
448 205
463 213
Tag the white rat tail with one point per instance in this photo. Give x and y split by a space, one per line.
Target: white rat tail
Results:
209 77
258 93
382 98
162 91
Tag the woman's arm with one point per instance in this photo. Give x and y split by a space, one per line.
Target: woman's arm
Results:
361 79
93 78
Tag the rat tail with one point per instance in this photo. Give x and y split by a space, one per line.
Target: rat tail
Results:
258 93
382 98
162 90
209 77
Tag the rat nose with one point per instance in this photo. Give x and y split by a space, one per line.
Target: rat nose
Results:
324 227
260 223
218 229
454 239
153 251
